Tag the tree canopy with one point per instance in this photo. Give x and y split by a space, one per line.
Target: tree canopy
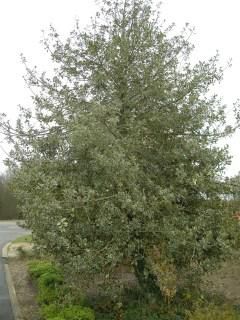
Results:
120 162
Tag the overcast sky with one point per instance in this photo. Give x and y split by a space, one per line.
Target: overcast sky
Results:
217 27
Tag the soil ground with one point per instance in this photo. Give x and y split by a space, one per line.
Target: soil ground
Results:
25 290
226 281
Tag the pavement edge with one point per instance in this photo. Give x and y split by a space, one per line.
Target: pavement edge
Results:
11 289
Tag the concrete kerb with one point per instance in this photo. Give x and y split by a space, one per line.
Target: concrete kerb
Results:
12 293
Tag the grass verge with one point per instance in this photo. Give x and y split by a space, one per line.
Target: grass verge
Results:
25 238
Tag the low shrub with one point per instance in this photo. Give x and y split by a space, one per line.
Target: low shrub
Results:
70 296
47 295
37 268
53 312
135 305
50 279
54 296
78 313
144 314
50 311
216 312
142 310
60 302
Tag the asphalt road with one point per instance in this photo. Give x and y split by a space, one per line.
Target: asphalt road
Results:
8 231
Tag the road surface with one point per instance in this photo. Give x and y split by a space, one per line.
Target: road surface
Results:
8 231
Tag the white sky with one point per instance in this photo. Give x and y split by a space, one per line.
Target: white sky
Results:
216 22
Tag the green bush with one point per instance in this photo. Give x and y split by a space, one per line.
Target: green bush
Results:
148 315
54 296
214 312
47 295
137 306
54 312
102 316
138 314
70 296
50 311
144 311
50 279
78 313
37 268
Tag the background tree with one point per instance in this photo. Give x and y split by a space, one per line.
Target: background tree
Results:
119 163
233 199
8 206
